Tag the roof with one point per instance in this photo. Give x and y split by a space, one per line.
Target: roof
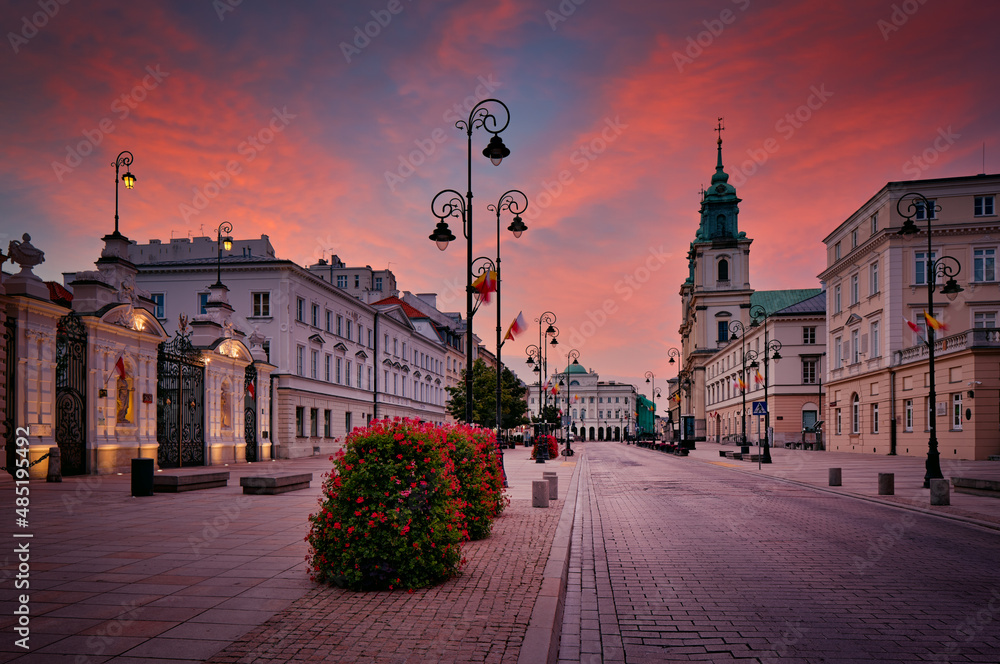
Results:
576 368
58 294
778 300
409 310
813 305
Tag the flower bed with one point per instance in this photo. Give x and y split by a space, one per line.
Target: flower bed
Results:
400 499
552 444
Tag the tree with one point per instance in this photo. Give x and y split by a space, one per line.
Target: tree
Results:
484 398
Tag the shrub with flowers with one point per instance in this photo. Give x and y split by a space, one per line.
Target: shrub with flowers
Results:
391 513
480 476
547 440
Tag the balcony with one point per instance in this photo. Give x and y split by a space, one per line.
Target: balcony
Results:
987 337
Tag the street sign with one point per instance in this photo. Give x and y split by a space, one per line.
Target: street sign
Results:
760 408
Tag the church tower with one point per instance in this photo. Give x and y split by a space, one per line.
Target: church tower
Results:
716 292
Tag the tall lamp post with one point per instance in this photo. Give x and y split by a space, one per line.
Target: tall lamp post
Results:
935 267
535 361
653 392
452 205
673 353
771 352
124 159
736 328
574 355
222 242
514 201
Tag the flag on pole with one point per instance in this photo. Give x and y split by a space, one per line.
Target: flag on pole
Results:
516 327
119 367
676 397
758 378
485 284
739 384
251 391
916 329
935 323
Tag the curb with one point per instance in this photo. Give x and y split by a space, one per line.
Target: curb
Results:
541 640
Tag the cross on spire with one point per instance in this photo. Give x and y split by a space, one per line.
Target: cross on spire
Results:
720 129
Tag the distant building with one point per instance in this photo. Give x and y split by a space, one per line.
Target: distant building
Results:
598 410
364 283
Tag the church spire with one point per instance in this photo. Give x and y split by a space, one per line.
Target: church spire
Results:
720 175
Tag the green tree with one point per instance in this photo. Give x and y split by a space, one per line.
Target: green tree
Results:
484 398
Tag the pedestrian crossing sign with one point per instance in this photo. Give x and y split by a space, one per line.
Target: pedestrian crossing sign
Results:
760 408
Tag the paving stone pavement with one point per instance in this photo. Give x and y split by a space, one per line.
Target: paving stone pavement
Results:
213 575
675 559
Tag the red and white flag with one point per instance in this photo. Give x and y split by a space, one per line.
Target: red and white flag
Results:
516 327
251 391
119 367
485 284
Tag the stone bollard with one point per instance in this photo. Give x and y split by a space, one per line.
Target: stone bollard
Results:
835 477
540 493
886 484
940 492
553 480
55 466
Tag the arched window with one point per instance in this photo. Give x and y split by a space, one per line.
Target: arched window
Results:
723 270
720 226
855 413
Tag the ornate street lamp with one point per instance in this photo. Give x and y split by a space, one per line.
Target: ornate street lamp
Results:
222 242
771 352
454 206
673 353
124 159
737 329
935 267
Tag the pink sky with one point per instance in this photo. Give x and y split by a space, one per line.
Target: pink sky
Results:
618 99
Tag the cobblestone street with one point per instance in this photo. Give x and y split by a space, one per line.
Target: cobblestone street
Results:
679 560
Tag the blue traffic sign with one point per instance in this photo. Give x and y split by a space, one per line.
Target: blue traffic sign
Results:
760 408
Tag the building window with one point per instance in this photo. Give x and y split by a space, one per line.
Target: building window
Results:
300 310
873 339
956 411
260 304
378 283
908 415
836 300
855 289
982 206
809 372
723 330
300 353
920 266
159 304
984 265
202 303
809 335
300 421
314 422
326 367
838 352
854 238
341 281
838 420
874 418
360 335
347 375
359 376
326 423
921 214
836 252
347 422
357 281
855 346
340 325
340 364
313 362
855 413
875 223
315 315
873 284
395 347
984 319
723 270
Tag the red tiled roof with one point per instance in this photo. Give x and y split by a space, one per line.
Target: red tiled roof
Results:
407 309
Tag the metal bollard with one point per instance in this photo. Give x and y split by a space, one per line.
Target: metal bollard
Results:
553 480
55 466
940 492
835 477
540 493
142 477
886 484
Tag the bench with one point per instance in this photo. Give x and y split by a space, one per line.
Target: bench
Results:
164 483
736 456
976 487
269 485
751 457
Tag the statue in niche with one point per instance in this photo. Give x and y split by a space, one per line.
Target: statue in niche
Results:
122 402
226 414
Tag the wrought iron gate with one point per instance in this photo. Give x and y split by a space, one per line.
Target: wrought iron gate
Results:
10 419
180 404
250 411
71 393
